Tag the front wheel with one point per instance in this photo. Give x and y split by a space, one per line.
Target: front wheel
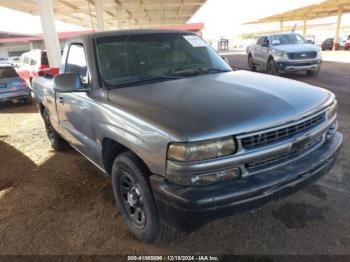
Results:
135 200
251 65
271 67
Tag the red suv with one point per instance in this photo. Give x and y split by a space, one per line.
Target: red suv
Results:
347 43
33 64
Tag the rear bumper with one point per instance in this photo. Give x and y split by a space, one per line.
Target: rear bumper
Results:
14 95
187 208
295 66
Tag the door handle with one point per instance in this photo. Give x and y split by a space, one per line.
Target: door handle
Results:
60 99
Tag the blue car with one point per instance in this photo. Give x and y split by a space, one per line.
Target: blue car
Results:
12 87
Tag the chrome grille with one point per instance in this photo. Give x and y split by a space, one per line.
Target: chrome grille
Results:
281 158
279 134
302 55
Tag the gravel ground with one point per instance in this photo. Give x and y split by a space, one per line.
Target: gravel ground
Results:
59 203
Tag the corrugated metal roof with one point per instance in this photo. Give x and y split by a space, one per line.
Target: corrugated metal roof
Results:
117 13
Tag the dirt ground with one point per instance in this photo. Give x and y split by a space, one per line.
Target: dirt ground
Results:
59 203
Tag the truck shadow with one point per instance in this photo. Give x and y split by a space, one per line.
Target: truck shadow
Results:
63 206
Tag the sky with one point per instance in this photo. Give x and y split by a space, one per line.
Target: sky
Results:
225 17
222 18
26 23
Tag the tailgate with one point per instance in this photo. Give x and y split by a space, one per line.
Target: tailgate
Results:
8 85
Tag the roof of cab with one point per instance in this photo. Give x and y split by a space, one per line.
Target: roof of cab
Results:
284 33
132 32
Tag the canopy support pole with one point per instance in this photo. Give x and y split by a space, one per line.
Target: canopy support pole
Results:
337 30
99 15
50 36
281 26
304 28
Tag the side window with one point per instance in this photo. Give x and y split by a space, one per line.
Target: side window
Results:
76 61
260 40
266 41
32 61
26 60
20 60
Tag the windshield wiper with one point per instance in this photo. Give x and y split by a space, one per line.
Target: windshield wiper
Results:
199 71
147 80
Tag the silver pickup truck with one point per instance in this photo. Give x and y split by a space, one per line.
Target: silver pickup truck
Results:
185 138
282 53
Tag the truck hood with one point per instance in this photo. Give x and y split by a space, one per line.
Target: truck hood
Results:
217 105
297 48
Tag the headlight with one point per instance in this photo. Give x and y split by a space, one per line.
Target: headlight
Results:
319 54
202 150
280 54
332 110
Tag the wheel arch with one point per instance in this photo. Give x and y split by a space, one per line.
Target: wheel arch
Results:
111 149
270 58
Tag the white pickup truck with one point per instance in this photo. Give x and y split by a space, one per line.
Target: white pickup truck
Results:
284 52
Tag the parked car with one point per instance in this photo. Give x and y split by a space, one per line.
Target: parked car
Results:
285 52
14 60
329 42
347 43
33 64
184 137
4 61
12 87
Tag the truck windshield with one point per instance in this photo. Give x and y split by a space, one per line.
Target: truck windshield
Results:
135 59
287 39
7 72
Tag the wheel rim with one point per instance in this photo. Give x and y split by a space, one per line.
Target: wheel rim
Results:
132 200
49 128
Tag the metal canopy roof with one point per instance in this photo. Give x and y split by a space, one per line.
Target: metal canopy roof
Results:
117 13
315 11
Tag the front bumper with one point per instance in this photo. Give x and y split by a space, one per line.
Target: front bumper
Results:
187 208
296 66
14 95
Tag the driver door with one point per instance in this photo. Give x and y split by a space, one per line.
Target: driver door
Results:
264 53
74 109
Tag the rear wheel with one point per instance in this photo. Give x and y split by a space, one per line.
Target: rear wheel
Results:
271 67
135 200
251 65
57 142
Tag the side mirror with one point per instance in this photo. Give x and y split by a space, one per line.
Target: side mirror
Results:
68 83
310 42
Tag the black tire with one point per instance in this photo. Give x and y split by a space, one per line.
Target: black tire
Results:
271 67
251 65
57 142
135 200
